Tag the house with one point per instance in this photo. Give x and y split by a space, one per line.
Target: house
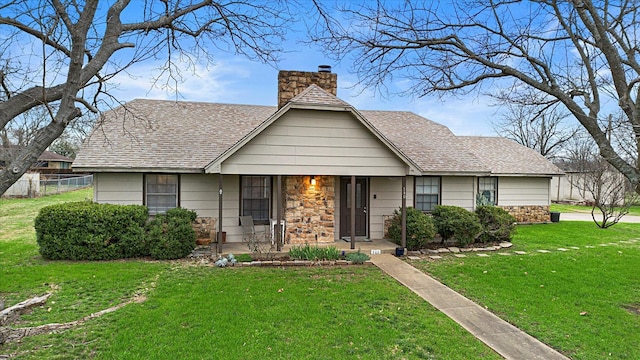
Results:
46 161
302 160
49 164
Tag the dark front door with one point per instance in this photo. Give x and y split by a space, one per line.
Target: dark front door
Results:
362 195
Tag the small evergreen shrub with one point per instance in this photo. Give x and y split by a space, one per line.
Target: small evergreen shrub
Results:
171 235
420 228
497 223
357 257
90 231
453 222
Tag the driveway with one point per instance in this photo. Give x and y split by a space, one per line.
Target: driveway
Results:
587 217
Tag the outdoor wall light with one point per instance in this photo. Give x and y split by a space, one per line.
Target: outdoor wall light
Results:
313 180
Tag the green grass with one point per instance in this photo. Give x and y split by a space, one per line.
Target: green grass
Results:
199 312
566 208
579 301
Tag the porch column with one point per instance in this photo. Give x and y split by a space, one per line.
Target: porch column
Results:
278 228
353 212
219 242
404 212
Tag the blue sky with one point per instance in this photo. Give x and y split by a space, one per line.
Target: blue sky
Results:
234 79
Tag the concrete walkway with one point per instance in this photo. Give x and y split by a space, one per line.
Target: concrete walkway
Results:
587 217
502 337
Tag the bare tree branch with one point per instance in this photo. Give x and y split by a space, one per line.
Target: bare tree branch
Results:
76 48
581 54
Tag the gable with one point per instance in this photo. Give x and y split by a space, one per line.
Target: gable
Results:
315 142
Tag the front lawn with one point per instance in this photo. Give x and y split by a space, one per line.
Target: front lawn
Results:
200 312
584 302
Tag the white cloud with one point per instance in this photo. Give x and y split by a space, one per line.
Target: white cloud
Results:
234 80
224 81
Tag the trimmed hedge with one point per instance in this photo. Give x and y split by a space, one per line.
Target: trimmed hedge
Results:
90 231
457 223
497 223
171 235
420 228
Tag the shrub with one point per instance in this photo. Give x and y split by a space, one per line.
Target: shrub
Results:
90 231
457 223
357 257
171 235
497 223
420 228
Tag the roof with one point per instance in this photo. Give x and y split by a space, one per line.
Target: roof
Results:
315 95
507 157
45 156
167 135
51 156
433 147
160 135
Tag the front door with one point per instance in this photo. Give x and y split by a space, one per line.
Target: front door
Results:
362 196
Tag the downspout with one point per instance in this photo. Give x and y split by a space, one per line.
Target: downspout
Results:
404 212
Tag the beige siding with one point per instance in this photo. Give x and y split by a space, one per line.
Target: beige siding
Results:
315 142
388 197
118 188
458 191
199 192
519 191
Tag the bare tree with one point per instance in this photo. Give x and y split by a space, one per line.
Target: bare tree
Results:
536 125
607 191
577 53
609 188
61 55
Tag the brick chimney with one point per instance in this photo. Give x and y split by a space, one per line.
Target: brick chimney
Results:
292 83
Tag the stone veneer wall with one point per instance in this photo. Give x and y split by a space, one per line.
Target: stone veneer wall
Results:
292 83
203 226
309 210
531 214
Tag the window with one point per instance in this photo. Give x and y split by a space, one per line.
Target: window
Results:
161 192
256 198
487 187
427 193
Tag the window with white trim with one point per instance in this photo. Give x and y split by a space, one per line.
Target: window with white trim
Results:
488 188
427 193
161 192
256 198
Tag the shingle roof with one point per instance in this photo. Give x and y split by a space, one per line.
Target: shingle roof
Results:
45 156
51 156
156 135
315 95
504 156
430 145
